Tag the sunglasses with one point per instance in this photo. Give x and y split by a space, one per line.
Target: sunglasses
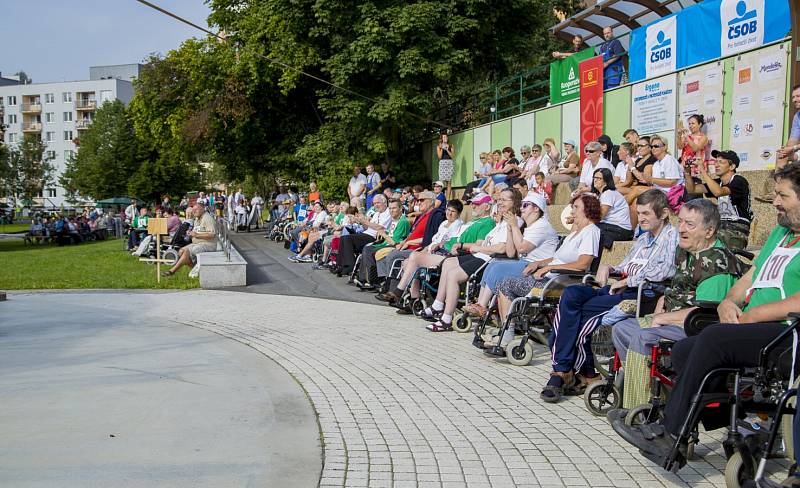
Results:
527 204
656 145
590 151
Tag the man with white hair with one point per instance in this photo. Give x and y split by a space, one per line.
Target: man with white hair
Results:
594 161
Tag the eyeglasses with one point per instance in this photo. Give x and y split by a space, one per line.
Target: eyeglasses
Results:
590 151
656 145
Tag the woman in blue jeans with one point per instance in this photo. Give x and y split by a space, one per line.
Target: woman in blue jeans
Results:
537 242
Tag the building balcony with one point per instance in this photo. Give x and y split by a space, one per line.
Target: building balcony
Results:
31 108
85 104
34 127
83 124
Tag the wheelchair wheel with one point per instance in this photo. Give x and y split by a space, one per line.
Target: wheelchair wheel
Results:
600 398
463 323
736 472
602 349
787 427
639 414
517 354
170 255
417 307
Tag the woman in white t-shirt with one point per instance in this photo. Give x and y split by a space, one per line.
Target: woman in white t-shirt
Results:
576 253
615 222
458 269
537 242
667 171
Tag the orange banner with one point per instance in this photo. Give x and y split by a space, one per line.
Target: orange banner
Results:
591 72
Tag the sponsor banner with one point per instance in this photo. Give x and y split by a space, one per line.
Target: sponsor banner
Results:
653 105
591 73
759 92
704 32
700 92
565 83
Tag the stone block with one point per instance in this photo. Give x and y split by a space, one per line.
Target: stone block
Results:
217 272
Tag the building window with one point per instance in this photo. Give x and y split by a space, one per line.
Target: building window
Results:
12 101
50 155
50 117
68 154
67 135
12 137
66 97
51 193
105 96
49 98
67 116
12 118
49 136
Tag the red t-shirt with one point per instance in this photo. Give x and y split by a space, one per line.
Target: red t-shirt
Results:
418 229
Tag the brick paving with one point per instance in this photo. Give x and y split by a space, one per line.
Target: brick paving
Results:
402 407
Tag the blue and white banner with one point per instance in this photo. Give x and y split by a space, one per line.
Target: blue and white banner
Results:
706 31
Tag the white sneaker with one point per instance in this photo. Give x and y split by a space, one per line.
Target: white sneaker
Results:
294 258
304 259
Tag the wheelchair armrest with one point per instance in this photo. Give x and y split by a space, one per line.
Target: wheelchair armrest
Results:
700 318
501 255
794 327
706 305
568 272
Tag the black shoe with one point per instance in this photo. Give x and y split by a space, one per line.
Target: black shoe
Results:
403 311
366 287
387 297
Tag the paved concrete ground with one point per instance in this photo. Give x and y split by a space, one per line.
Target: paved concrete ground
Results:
105 390
397 406
268 271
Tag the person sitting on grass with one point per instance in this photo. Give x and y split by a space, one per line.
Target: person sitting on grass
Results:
204 239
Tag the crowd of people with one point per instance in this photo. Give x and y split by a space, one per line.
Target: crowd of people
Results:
506 246
61 229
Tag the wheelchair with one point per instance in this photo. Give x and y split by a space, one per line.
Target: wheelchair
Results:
763 390
533 314
169 250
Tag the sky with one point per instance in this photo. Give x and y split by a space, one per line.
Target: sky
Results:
58 40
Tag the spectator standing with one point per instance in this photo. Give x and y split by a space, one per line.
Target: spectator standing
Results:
446 153
577 46
732 192
387 176
131 211
612 52
357 188
373 185
694 142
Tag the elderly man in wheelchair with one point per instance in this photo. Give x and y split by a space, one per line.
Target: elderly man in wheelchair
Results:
753 327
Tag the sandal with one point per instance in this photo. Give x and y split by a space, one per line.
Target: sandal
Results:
475 309
432 317
552 393
439 326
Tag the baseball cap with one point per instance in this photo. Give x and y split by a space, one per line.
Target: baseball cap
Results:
481 198
537 199
426 195
729 155
571 142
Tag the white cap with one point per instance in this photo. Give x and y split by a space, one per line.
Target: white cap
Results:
537 199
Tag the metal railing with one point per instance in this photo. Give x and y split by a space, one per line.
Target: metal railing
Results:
32 107
224 236
85 103
83 123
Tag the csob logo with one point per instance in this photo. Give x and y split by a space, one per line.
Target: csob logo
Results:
744 24
662 50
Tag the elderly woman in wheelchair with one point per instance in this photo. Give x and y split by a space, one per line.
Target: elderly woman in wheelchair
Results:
535 293
470 262
753 332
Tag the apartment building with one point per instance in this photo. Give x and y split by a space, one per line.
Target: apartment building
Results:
56 113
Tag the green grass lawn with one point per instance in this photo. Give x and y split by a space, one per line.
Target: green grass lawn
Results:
101 264
13 228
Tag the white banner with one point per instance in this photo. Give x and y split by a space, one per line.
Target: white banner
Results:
742 25
759 92
661 47
701 93
653 105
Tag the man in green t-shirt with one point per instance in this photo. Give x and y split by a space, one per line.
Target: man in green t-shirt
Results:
754 312
397 231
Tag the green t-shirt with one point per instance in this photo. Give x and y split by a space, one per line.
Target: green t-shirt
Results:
791 276
140 221
401 230
338 218
474 232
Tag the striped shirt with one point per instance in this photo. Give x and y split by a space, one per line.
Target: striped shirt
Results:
658 251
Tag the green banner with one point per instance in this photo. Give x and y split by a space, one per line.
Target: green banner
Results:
565 81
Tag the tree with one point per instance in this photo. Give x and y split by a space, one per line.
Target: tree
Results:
23 77
109 155
27 170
